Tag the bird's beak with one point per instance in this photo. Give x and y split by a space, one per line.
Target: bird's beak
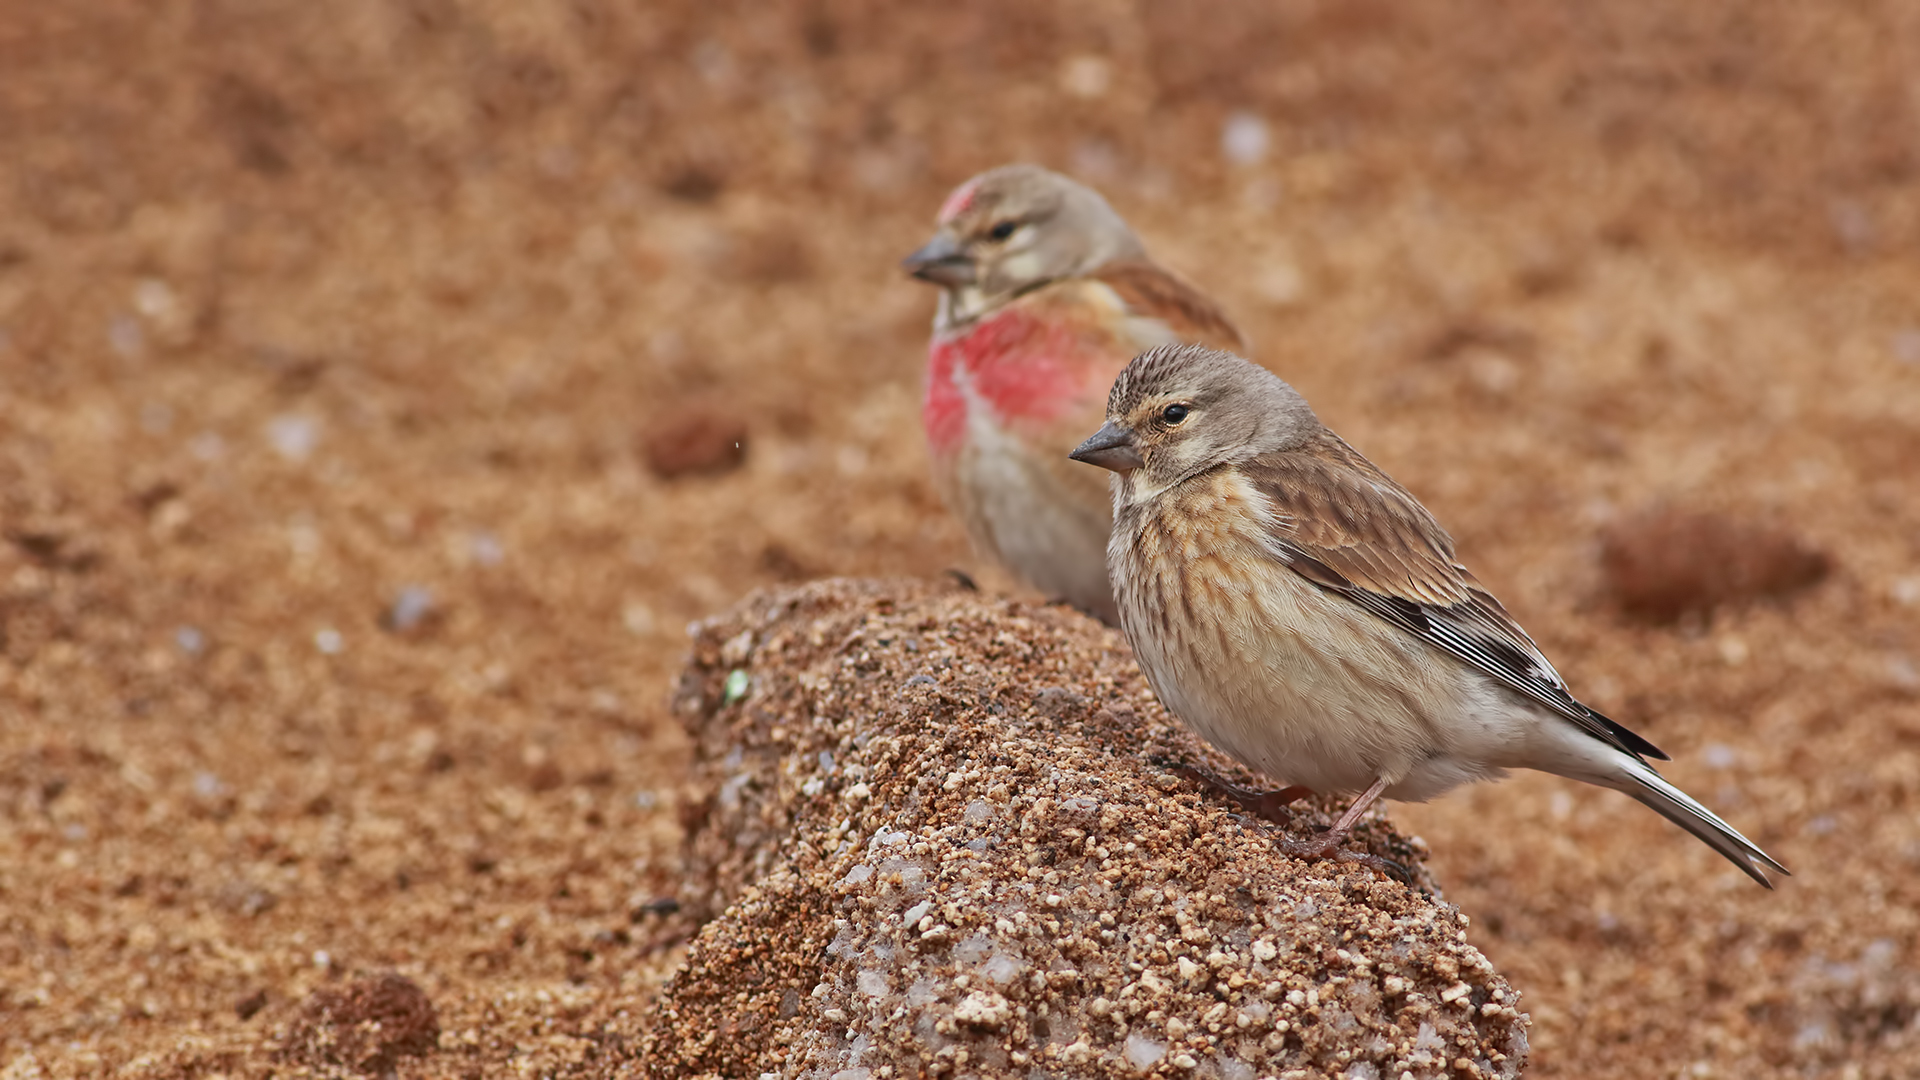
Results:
942 262
1110 448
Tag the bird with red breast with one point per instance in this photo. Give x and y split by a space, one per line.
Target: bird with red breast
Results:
1046 294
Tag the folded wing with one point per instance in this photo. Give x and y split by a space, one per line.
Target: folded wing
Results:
1347 527
1151 290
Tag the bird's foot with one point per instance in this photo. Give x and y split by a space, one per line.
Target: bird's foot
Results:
1329 844
1332 844
1270 806
1267 805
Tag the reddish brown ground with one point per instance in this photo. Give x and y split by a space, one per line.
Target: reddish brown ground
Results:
303 305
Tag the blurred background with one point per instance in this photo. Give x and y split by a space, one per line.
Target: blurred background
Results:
371 376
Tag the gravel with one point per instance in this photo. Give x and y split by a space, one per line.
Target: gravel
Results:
939 837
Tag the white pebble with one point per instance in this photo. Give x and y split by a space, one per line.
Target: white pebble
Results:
1244 138
1141 1051
1232 1068
983 1008
412 604
293 437
485 548
1002 968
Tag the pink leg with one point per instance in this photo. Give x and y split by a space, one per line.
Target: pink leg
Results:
1330 842
1269 805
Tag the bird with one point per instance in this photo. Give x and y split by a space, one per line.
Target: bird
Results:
1045 295
1304 613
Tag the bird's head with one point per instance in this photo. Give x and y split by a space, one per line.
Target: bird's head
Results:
1180 410
1015 228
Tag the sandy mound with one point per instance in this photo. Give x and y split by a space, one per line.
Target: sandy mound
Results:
943 848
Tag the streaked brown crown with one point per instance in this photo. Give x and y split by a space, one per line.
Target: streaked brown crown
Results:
1234 410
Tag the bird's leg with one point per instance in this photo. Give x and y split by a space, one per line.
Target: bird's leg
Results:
1267 805
1330 842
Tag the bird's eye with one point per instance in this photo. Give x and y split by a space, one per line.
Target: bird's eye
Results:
1002 230
1174 414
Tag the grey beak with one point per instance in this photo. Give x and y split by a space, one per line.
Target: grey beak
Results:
1110 448
942 262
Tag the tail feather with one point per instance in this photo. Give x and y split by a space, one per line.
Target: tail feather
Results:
1683 810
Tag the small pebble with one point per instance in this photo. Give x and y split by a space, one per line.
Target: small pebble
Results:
702 441
293 437
409 609
1244 138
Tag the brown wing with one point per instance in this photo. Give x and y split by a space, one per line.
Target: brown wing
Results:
1156 292
1346 526
1352 519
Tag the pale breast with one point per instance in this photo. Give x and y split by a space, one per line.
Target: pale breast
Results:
1047 524
1291 680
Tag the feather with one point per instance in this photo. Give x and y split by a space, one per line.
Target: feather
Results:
1347 527
1152 291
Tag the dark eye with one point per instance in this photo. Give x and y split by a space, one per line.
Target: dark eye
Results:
1174 414
1003 229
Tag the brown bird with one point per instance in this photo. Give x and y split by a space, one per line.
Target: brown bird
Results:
1046 294
1306 614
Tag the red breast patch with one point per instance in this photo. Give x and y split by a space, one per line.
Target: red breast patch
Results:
1026 369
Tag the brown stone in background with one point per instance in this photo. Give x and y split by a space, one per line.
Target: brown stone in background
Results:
366 1027
694 440
942 845
1663 563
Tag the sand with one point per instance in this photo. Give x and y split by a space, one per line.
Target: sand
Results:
341 601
